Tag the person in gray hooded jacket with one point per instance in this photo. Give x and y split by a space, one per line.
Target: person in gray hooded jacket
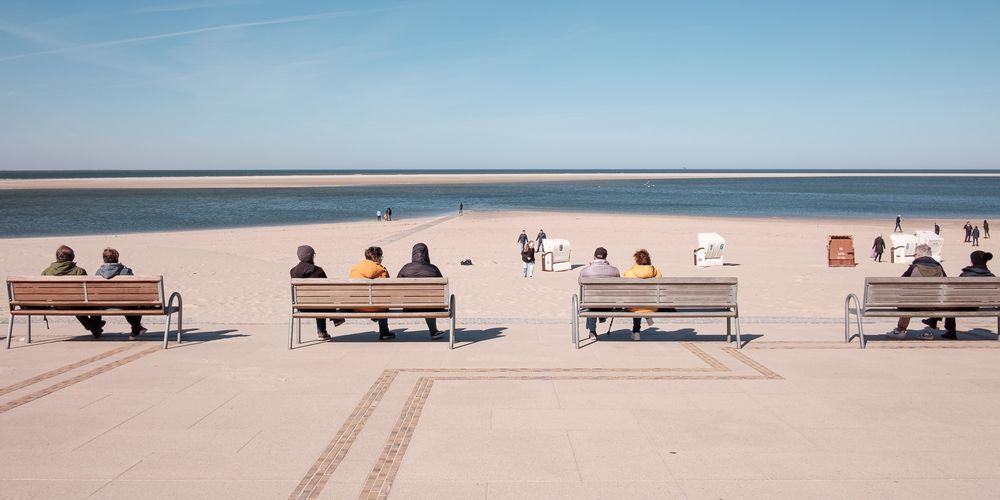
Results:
598 268
420 267
923 266
112 268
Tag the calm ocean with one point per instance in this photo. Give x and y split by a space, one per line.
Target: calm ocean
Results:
86 211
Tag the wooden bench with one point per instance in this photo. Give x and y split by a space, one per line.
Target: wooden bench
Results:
371 299
922 297
91 296
689 297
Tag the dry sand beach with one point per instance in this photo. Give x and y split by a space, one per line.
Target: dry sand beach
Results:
514 411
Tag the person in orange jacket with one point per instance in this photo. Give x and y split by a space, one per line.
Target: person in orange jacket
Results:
643 269
371 268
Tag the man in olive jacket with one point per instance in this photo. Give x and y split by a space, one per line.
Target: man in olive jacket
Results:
421 267
65 266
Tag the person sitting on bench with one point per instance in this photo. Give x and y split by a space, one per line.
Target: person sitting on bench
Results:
598 268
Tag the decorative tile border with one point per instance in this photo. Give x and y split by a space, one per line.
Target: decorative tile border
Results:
10 405
63 369
379 481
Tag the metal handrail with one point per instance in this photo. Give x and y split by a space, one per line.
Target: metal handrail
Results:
180 317
847 319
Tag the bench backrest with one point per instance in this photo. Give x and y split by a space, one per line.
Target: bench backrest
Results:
932 292
85 291
658 292
390 293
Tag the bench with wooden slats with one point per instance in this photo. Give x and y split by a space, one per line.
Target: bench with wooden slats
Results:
688 297
374 299
91 296
922 297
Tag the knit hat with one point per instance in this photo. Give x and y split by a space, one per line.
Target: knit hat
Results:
305 253
980 258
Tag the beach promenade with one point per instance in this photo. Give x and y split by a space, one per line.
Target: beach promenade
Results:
514 411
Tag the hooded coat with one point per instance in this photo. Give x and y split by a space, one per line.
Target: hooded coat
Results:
420 265
369 270
306 268
976 272
925 267
642 272
64 269
109 270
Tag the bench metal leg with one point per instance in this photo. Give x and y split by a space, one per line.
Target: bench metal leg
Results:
291 332
739 341
729 329
451 326
166 332
299 330
29 329
10 331
851 298
574 327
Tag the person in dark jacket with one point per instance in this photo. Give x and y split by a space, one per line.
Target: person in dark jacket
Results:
975 236
65 266
923 266
986 228
878 247
528 260
899 227
538 239
420 267
522 239
306 268
978 269
111 268
968 231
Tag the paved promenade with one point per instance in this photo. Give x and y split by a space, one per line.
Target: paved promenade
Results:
513 412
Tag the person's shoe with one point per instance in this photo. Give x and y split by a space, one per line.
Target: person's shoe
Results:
602 320
338 321
635 336
322 336
949 335
929 322
436 335
387 336
96 332
593 334
927 334
896 334
135 334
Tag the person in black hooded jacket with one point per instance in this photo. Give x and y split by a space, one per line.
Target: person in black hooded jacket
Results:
978 269
307 269
420 267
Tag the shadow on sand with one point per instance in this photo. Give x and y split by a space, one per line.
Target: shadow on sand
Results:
659 335
190 336
463 337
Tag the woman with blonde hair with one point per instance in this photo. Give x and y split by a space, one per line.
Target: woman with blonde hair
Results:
643 269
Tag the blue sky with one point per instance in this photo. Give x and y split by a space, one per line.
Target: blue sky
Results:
205 84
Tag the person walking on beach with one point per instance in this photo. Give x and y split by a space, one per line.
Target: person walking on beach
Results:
420 267
528 260
643 269
978 269
878 247
388 214
371 268
461 207
65 266
937 229
538 240
968 231
923 266
598 268
522 240
111 268
306 268
899 227
986 228
378 215
975 236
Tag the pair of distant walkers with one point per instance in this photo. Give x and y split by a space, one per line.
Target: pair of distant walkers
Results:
642 268
65 265
924 266
370 267
972 232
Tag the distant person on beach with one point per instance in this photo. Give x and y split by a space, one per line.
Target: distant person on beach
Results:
643 269
528 260
978 269
110 269
522 240
598 268
371 268
378 215
975 236
461 207
878 247
923 266
538 240
388 214
420 267
937 229
899 227
64 266
986 228
968 231
306 268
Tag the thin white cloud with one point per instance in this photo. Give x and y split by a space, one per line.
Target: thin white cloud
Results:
181 7
177 34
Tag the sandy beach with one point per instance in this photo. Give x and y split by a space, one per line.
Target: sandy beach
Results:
251 181
241 275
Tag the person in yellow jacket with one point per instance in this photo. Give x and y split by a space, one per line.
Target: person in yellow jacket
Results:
643 269
371 268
